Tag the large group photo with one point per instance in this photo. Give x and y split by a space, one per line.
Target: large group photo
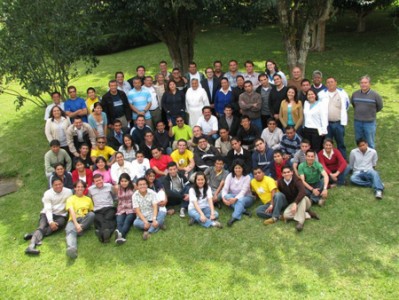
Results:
236 173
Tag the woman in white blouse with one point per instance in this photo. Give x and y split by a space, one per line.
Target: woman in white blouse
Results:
56 126
316 120
121 166
200 208
236 192
196 99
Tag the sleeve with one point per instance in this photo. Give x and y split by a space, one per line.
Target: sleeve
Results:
352 159
68 161
192 196
296 157
92 122
375 158
47 165
114 173
300 169
47 207
282 114
322 162
245 188
341 162
209 193
105 118
205 98
47 130
215 125
226 186
301 191
300 119
69 136
67 106
243 105
134 201
379 102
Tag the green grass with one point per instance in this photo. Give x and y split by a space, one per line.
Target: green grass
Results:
352 252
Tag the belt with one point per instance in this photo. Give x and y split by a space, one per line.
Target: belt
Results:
154 109
334 121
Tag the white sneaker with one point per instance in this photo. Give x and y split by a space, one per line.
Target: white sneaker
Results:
378 194
217 224
182 212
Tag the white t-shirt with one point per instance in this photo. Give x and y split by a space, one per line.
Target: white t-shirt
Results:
203 201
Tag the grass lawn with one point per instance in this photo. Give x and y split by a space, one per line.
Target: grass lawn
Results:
352 252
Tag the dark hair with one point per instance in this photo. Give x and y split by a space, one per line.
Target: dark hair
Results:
233 60
80 181
90 89
71 87
361 140
278 75
328 140
97 104
163 62
245 117
55 143
78 160
58 165
234 138
198 194
275 66
140 116
126 176
271 120
219 158
98 175
238 162
142 179
176 69
310 90
157 148
118 152
55 93
295 96
206 107
51 115
168 85
278 151
305 141
182 140
126 135
192 63
217 62
112 81
56 178
224 78
140 67
171 164
305 80
148 76
240 76
100 158
311 151
248 82
262 75
117 121
259 139
229 106
257 168
286 167
248 62
84 144
140 152
119 72
150 171
290 127
77 118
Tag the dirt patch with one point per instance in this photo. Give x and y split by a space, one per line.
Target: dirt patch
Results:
9 185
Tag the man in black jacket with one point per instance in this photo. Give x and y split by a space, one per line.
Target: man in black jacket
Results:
116 106
229 120
211 85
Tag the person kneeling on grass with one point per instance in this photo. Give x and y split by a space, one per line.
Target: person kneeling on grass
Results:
81 216
201 208
52 216
292 196
145 202
236 192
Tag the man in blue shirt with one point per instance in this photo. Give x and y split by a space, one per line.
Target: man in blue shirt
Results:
140 101
75 106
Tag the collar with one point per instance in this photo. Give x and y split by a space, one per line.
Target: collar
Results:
241 152
287 182
326 154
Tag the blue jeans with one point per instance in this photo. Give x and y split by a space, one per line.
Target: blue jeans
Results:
369 178
366 130
258 123
318 185
124 222
138 223
341 176
279 202
72 234
337 131
193 213
240 205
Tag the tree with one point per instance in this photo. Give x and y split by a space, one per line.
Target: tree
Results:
319 30
40 44
362 9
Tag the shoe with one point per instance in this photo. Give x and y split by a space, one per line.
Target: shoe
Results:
28 236
72 252
162 227
191 222
106 235
120 241
118 235
270 221
299 227
32 251
146 235
170 212
217 224
313 215
98 234
247 213
182 212
378 194
321 202
231 221
282 219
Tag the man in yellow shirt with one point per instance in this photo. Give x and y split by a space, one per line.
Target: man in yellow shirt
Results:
102 150
264 187
183 157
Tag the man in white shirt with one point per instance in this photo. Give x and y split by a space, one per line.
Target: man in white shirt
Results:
272 135
56 97
155 110
363 161
209 124
123 85
251 75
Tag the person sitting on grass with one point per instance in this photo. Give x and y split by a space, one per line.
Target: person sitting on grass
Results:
81 217
363 161
262 156
293 197
84 154
61 173
145 202
159 162
216 177
121 166
56 155
81 173
278 163
201 208
300 155
314 178
103 151
236 192
102 169
157 186
52 217
125 214
290 143
140 165
333 163
184 158
103 198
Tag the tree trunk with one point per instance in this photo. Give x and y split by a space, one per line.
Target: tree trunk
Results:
320 37
361 22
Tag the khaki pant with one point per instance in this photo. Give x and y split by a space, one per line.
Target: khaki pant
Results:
300 214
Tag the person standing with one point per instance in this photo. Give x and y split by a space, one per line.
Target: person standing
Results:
75 106
116 106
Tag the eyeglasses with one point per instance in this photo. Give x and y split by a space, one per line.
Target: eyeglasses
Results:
100 142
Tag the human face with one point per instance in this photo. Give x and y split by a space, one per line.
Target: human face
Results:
311 96
236 145
223 134
264 81
163 67
192 68
79 189
228 112
291 94
72 93
151 177
140 122
225 84
140 157
290 133
248 87
305 86
117 127
127 141
172 171
197 132
200 181
180 122
238 170
99 182
271 126
160 79
207 114
209 73
91 94
156 153
176 75
80 167
270 66
172 86
218 67
310 158
56 99
60 171
363 147
317 79
137 84
124 183
101 144
84 150
219 165
149 138
305 147
240 82
277 157
160 127
101 165
258 174
260 146
233 67
113 87
328 146
194 84
245 123
55 149
57 186
182 147
331 84
148 82
277 81
296 73
364 85
287 174
120 78
249 68
120 159
202 143
140 72
78 123
98 110
56 112
142 187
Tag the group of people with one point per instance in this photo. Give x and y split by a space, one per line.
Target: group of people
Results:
199 141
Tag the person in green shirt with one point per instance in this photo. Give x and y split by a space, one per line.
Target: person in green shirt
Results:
314 177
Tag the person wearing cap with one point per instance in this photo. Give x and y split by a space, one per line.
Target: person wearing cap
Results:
52 217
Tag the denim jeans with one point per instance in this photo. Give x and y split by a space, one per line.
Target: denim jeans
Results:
318 185
258 123
124 222
72 234
193 213
369 178
240 205
138 223
337 131
341 176
279 202
366 130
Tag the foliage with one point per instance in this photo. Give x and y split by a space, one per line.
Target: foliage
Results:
40 43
